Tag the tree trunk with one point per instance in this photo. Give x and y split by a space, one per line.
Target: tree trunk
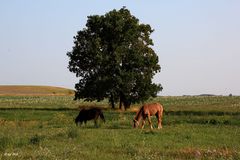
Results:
112 101
120 103
126 104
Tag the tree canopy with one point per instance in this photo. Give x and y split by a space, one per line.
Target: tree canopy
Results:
113 59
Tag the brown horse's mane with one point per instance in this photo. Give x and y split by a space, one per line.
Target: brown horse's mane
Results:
137 117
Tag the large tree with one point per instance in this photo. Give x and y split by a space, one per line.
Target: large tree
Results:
113 59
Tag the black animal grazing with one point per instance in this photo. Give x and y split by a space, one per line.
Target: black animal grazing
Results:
89 114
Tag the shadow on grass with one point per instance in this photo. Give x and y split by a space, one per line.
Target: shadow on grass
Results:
123 120
200 113
197 113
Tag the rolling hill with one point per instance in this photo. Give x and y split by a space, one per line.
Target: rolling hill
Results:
24 90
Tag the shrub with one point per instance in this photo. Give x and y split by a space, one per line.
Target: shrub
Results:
35 140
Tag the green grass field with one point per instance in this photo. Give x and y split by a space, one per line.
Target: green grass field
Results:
42 127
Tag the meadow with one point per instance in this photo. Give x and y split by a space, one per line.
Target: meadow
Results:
194 127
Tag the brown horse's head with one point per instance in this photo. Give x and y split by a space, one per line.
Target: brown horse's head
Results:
135 123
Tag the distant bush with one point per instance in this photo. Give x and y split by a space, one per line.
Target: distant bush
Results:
35 140
217 122
212 121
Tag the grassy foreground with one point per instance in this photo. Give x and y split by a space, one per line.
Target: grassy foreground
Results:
41 127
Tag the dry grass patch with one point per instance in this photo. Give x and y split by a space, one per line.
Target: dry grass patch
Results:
21 90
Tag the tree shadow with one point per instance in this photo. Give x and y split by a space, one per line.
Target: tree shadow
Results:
200 113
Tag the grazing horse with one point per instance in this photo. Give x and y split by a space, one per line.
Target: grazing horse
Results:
146 111
89 114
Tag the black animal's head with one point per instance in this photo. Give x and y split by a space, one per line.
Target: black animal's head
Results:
78 120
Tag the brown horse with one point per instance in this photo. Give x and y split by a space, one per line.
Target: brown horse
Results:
89 114
146 111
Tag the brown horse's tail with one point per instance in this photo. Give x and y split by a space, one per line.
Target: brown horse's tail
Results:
102 116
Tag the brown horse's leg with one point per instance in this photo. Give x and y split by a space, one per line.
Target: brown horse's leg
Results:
149 121
143 121
159 116
159 122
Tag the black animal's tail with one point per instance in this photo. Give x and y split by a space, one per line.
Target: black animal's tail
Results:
102 116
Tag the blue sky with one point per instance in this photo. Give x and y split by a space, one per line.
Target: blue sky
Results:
197 41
